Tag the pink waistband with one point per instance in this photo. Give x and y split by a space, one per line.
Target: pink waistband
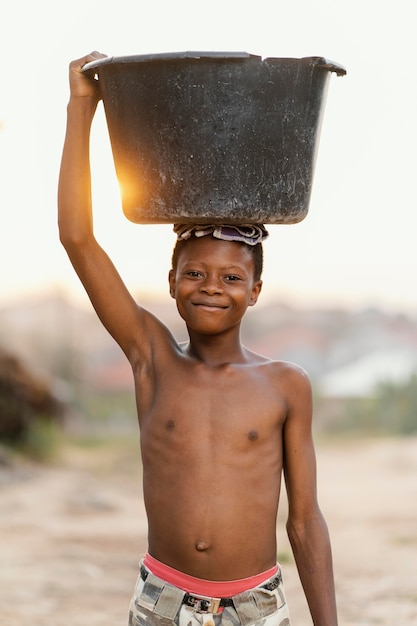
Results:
199 586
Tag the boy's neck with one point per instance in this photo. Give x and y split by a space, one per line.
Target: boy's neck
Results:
216 350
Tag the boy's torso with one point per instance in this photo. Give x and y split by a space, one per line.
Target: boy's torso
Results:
211 443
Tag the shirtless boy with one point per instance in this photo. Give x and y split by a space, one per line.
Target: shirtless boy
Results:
219 424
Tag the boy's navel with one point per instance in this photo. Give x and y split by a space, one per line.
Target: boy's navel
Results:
201 546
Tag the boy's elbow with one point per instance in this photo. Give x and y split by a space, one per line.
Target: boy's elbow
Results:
68 238
73 239
310 526
75 226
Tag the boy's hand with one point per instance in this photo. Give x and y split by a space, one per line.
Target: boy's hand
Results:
81 86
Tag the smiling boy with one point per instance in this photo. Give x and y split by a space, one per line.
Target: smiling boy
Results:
219 424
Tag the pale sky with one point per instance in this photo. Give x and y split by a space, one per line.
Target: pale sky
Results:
357 245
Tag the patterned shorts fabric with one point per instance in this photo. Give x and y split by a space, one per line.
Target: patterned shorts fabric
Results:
157 603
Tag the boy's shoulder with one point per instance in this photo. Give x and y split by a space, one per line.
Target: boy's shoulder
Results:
288 368
286 375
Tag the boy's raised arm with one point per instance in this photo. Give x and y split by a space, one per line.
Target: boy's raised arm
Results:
74 189
119 313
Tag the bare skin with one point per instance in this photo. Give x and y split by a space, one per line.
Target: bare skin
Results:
219 424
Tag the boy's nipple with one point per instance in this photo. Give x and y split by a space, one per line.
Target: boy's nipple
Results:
201 546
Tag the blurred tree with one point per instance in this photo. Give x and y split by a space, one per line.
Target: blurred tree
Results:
392 410
396 407
24 398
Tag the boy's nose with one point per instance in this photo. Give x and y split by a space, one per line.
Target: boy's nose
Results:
212 284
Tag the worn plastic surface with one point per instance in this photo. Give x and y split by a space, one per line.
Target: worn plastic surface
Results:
214 137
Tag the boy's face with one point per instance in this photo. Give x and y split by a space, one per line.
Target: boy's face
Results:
213 284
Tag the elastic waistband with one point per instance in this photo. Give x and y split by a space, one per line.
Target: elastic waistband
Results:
214 588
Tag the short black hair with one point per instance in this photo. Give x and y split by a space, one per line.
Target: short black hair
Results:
256 251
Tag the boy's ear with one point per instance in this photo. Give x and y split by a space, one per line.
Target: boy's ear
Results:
171 279
256 290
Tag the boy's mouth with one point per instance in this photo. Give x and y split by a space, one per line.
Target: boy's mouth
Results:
210 305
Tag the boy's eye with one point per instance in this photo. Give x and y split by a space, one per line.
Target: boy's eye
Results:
194 274
232 277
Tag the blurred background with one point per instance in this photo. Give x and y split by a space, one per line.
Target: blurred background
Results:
338 299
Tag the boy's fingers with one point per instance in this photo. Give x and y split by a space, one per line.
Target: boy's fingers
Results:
78 64
93 56
80 84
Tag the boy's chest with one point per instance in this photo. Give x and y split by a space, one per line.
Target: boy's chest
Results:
229 395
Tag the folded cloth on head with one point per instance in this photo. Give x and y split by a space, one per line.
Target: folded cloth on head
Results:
246 233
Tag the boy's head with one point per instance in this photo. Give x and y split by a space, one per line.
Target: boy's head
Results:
248 235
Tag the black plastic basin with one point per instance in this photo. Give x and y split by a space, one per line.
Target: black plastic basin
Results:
214 137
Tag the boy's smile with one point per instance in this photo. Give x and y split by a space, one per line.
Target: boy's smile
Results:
209 305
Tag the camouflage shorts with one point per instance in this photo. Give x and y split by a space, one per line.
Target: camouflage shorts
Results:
157 603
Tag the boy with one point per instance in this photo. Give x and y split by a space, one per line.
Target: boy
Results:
219 424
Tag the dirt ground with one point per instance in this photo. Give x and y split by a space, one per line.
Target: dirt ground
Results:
71 535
